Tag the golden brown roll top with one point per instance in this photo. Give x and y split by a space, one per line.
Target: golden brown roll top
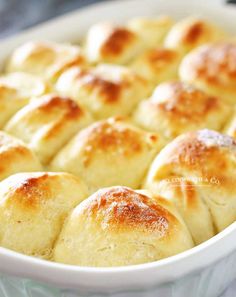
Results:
47 124
192 32
197 171
176 107
119 226
212 68
15 157
151 30
109 152
33 207
106 90
15 92
157 64
110 43
45 59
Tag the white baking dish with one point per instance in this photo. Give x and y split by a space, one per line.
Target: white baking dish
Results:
204 271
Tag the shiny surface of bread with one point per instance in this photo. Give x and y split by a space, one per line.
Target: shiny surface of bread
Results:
109 152
230 129
15 92
212 68
192 32
106 90
176 107
197 172
15 157
110 43
33 207
45 59
151 30
47 124
157 65
118 226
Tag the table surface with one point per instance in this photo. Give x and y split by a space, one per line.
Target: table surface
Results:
35 12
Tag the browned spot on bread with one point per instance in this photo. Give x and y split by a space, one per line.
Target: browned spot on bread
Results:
30 192
118 40
215 64
108 136
194 32
160 56
109 92
121 207
182 102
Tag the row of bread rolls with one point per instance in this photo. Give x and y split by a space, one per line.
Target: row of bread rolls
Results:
184 202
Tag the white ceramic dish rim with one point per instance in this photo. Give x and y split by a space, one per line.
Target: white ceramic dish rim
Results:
159 272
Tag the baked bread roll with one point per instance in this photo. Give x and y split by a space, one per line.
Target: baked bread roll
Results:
15 157
212 68
109 152
110 43
15 91
47 124
106 90
118 226
33 207
176 107
151 30
45 59
192 32
197 171
157 65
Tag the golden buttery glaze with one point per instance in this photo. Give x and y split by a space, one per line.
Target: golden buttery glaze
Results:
15 157
176 107
119 226
109 152
48 123
45 59
110 43
212 68
157 65
185 172
106 90
192 32
33 207
230 128
16 89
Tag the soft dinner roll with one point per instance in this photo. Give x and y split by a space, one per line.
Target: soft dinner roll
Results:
15 91
15 157
118 226
106 90
192 32
33 207
157 65
197 171
47 123
176 107
109 152
151 30
44 58
107 42
212 68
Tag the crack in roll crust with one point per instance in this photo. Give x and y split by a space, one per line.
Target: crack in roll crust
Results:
106 90
35 205
107 153
192 158
47 124
176 107
127 226
212 68
15 157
